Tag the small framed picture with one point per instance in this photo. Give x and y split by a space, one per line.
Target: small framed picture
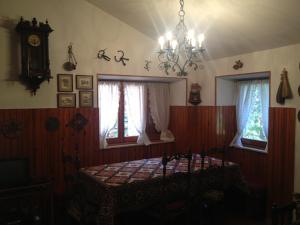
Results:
65 82
84 82
66 100
86 99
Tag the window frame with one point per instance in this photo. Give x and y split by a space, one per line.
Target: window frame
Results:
150 126
249 144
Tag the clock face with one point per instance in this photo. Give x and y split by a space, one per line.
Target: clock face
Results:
34 40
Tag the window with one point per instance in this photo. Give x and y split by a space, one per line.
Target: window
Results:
125 113
252 106
123 130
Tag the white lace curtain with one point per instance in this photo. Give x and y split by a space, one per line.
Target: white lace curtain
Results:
136 101
109 96
159 96
244 104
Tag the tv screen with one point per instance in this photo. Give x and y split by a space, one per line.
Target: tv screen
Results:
14 172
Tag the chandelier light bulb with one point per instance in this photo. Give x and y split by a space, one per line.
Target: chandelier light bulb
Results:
161 41
201 39
193 42
174 44
169 36
190 34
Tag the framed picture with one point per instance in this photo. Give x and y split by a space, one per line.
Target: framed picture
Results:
65 82
85 99
66 100
84 82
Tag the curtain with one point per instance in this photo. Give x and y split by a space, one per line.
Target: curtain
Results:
109 96
243 107
244 103
264 90
136 102
159 96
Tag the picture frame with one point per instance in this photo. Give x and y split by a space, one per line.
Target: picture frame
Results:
86 99
66 100
84 82
65 82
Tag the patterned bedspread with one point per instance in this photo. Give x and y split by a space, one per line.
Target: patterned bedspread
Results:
127 172
116 187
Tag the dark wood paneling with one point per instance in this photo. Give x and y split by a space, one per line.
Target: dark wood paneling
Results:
281 154
198 127
44 149
210 126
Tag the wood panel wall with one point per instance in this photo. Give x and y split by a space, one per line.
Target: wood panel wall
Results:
198 127
44 148
209 126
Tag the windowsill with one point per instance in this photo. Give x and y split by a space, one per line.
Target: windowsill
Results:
135 144
264 151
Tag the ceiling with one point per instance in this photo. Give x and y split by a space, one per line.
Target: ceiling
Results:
231 27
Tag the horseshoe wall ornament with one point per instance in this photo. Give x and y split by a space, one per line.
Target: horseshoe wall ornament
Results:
121 58
101 55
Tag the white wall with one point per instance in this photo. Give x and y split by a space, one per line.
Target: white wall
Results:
273 60
225 92
88 28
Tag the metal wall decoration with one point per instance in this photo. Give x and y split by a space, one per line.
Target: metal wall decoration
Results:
52 124
72 63
147 65
12 129
101 55
121 58
78 122
238 65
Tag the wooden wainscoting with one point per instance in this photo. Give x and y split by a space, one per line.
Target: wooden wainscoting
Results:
211 126
44 148
198 127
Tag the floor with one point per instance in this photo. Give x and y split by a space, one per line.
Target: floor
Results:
230 216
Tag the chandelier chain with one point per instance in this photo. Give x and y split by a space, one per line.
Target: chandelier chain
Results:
181 12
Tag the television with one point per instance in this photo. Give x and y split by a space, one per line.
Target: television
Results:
14 173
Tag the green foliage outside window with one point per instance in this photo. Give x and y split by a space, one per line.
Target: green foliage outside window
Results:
254 128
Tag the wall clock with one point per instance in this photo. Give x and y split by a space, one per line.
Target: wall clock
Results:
34 52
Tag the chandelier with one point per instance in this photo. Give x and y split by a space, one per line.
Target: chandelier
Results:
180 52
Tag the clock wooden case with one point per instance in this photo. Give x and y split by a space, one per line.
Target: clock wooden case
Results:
34 52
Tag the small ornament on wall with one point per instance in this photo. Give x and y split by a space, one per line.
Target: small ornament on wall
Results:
72 63
147 65
195 97
238 65
78 122
12 129
121 58
101 55
284 90
52 124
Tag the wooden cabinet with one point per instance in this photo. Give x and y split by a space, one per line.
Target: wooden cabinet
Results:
29 204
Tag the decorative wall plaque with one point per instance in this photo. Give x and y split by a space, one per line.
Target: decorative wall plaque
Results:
78 122
12 129
52 124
